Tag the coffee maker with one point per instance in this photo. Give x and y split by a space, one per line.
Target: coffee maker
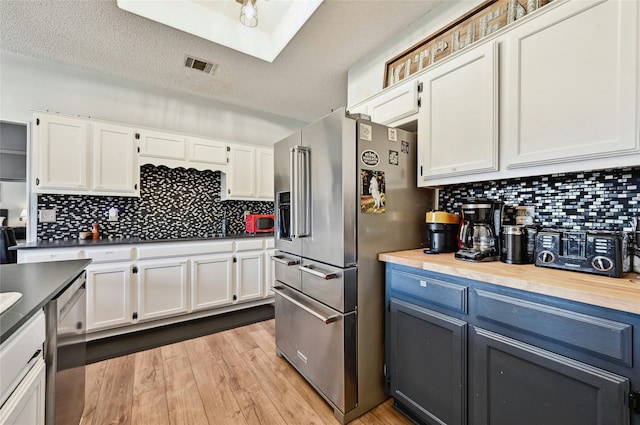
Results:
479 237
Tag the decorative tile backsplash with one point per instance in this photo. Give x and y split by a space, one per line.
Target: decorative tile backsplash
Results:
595 200
173 203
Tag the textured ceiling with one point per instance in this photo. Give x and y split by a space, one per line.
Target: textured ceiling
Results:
305 81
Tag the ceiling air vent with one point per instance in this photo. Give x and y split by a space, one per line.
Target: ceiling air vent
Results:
200 65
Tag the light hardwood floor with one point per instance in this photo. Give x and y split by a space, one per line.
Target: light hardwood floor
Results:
231 377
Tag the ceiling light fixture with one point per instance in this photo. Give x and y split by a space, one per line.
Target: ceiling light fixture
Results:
249 13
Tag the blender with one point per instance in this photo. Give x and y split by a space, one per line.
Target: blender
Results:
479 237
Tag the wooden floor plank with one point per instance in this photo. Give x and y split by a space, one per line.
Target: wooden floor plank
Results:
217 397
292 406
241 339
150 407
257 407
238 374
183 399
148 375
116 392
212 380
94 374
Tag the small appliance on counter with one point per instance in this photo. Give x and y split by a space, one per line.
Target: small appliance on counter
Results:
259 223
440 232
589 252
480 230
514 245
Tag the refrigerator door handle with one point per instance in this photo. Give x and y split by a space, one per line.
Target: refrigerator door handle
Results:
300 187
286 262
325 276
326 319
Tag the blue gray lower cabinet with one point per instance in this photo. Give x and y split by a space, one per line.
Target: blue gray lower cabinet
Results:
464 352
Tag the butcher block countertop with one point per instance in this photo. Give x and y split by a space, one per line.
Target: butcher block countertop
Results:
615 293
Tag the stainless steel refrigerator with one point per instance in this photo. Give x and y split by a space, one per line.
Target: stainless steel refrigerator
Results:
345 191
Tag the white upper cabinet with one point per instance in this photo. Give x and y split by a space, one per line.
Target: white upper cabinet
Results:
457 122
242 183
264 174
61 152
154 144
176 150
115 160
392 104
206 151
571 85
78 156
250 175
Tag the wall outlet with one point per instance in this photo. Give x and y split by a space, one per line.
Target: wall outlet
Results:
113 214
47 216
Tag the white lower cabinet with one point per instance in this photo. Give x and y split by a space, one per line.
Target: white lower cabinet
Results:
131 284
249 275
108 296
26 404
211 281
163 288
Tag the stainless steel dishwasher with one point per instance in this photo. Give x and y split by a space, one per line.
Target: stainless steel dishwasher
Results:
65 354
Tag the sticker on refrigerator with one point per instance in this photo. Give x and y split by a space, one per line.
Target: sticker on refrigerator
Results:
365 132
372 196
392 134
370 158
404 147
393 157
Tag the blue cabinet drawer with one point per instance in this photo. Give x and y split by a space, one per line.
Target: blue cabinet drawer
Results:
589 334
429 290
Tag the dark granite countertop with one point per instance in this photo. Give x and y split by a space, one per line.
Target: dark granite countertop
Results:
39 283
74 243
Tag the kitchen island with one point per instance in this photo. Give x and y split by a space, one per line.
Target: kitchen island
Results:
38 283
493 343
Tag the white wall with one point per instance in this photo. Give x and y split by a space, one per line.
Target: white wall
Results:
13 196
28 84
367 76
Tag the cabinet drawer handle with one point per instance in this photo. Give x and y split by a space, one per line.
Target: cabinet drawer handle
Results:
325 276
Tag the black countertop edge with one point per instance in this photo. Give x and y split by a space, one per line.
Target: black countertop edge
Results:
75 243
39 283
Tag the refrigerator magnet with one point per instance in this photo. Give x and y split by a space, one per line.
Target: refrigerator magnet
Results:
393 157
372 196
392 134
365 132
370 158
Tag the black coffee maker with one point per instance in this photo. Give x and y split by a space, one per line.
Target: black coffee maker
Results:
479 238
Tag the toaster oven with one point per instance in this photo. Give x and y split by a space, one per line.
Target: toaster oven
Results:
259 223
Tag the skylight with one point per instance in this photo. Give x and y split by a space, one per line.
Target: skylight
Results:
218 21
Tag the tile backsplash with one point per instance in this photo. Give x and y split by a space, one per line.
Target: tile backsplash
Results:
173 203
594 200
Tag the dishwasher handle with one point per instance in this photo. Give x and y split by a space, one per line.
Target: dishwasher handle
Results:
71 303
326 319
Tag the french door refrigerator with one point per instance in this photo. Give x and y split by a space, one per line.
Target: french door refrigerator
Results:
345 191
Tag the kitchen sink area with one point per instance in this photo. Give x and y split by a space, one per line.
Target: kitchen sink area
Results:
7 299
